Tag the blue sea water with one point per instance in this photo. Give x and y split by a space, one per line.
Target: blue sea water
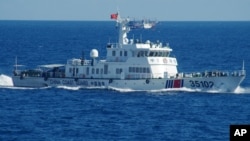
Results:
75 114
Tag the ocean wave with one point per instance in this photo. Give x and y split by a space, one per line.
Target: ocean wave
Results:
5 80
68 88
155 90
241 90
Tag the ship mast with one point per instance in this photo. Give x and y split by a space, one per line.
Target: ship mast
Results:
123 28
16 63
243 65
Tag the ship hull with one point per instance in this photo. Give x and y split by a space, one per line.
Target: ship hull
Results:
221 84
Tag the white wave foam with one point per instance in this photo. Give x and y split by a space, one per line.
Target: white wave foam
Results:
24 88
184 89
75 88
241 90
155 91
19 88
69 88
122 89
5 80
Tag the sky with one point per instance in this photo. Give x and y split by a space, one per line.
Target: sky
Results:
99 10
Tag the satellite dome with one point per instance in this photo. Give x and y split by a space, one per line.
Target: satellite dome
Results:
94 53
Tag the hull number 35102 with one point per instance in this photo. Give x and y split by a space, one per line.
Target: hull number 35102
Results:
201 84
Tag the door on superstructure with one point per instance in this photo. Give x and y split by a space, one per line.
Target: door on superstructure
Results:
105 69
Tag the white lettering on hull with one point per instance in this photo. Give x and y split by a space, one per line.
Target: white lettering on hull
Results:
70 82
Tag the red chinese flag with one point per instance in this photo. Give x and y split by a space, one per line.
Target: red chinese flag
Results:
114 16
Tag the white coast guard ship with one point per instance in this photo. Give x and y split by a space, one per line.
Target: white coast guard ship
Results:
129 64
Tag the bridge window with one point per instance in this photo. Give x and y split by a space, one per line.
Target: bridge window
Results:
113 53
148 70
164 54
118 71
160 54
125 53
151 54
87 71
156 54
97 71
105 69
139 70
142 53
139 54
133 69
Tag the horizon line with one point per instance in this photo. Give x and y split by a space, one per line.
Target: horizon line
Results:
131 20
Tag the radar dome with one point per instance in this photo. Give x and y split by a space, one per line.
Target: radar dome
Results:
94 53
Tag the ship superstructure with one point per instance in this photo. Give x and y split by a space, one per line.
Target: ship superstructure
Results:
127 59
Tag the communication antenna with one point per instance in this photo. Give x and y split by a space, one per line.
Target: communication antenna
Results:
243 65
16 63
83 58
